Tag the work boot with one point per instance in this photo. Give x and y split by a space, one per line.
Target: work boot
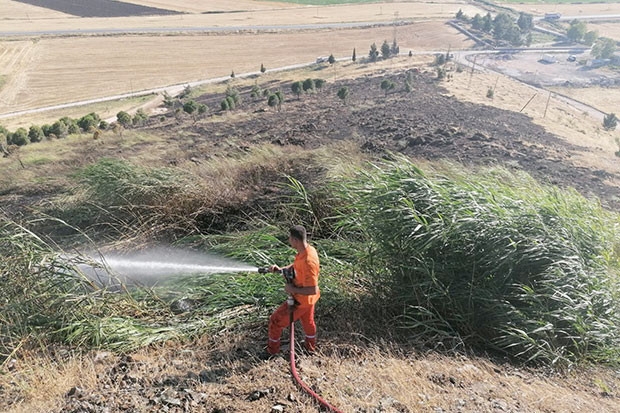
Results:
273 347
309 345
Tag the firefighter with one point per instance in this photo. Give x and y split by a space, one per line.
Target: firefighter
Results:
303 290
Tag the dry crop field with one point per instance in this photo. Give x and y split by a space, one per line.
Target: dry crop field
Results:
39 71
566 9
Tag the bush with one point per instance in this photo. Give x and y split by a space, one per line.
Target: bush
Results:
492 260
35 134
610 121
19 137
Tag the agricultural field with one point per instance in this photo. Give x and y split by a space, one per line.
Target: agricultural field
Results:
568 8
37 73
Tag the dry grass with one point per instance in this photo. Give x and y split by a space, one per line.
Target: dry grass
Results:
366 378
281 16
604 99
13 10
39 73
567 9
611 30
561 119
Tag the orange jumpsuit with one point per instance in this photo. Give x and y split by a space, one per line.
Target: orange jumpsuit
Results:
307 269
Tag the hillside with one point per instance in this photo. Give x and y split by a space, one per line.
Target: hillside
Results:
364 364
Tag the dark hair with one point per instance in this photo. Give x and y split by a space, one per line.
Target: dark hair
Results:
298 232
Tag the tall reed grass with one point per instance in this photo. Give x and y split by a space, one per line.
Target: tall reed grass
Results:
492 260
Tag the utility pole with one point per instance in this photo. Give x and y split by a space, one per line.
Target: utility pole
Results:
471 74
547 105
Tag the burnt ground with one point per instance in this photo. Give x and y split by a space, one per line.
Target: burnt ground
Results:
426 123
98 8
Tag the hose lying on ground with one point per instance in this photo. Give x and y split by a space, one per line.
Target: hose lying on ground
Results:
301 384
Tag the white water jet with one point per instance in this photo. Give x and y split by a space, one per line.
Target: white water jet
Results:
149 266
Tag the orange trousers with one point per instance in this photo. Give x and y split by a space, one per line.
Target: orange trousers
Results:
281 318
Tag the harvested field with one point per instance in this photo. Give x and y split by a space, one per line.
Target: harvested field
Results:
611 30
567 9
192 6
283 16
13 10
50 72
97 8
602 98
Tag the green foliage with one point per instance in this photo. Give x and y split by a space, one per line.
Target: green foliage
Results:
385 50
169 101
123 118
604 48
262 68
525 22
19 137
319 83
353 57
224 105
35 134
387 85
343 93
576 31
297 88
88 122
610 121
59 129
490 92
103 125
590 37
395 48
331 59
373 54
190 107
140 118
492 260
309 85
233 94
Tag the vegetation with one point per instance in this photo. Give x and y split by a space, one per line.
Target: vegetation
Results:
490 260
610 121
503 27
604 48
343 94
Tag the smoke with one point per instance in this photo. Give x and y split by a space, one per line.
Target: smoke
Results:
147 267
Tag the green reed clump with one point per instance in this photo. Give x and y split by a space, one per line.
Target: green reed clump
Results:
491 259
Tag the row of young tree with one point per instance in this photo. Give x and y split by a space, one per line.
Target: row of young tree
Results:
386 52
503 27
59 129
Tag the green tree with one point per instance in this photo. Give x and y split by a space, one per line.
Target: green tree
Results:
232 74
460 15
590 37
19 137
604 48
319 83
202 109
477 22
224 105
354 58
123 118
234 94
87 122
35 134
191 107
59 129
231 102
343 93
262 68
487 23
140 117
385 50
395 48
525 22
374 53
103 125
387 85
610 121
297 88
168 100
576 31
309 85
331 59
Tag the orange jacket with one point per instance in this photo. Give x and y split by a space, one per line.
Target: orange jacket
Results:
307 269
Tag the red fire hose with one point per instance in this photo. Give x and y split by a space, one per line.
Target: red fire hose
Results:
301 384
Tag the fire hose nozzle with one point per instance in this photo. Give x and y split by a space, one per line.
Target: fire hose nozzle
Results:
264 270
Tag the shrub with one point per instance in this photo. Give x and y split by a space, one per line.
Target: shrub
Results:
35 134
492 260
610 121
